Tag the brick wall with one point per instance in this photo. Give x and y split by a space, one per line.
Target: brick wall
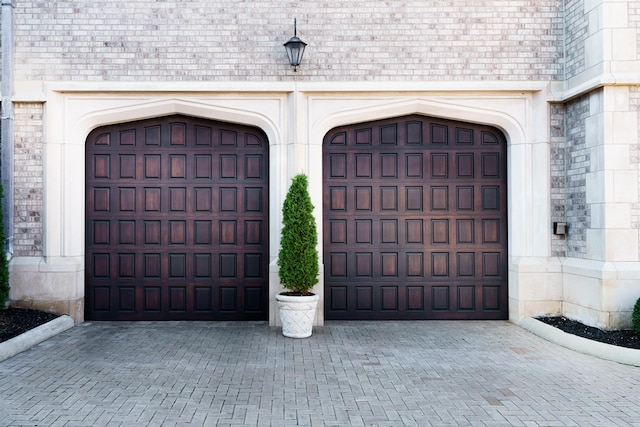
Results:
570 163
576 33
242 40
28 180
558 176
577 163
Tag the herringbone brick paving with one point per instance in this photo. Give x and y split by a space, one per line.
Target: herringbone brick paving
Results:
346 374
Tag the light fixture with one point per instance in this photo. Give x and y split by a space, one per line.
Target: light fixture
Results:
295 48
560 228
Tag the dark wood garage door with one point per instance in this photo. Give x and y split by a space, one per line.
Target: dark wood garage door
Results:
176 221
415 220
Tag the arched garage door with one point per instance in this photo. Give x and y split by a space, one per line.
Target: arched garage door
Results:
415 220
176 221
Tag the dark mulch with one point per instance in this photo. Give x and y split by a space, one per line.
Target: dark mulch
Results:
624 338
15 321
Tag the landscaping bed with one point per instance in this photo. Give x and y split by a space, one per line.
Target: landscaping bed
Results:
16 321
622 338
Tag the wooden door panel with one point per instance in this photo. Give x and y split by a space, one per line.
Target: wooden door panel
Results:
415 220
176 221
439 165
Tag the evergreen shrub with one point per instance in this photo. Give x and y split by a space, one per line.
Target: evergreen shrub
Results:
298 256
635 317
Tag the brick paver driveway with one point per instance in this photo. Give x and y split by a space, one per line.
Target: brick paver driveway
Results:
346 374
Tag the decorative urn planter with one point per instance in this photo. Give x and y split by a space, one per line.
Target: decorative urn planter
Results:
298 261
297 314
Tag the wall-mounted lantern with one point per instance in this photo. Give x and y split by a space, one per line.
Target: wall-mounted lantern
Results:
295 48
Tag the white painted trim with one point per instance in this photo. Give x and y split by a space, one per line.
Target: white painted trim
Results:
557 91
567 91
483 86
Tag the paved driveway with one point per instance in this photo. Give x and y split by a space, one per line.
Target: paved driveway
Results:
347 374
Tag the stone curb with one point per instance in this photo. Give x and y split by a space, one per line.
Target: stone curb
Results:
35 336
627 356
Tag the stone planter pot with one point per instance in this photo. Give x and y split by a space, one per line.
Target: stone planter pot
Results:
297 314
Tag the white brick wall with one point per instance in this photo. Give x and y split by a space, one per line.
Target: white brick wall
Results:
146 40
242 40
576 33
28 180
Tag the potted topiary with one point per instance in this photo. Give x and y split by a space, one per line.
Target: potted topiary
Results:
298 261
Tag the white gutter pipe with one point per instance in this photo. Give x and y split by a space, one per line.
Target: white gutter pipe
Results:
7 137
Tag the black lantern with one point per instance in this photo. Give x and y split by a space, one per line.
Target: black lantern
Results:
295 48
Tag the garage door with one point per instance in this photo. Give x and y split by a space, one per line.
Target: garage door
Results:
176 221
415 220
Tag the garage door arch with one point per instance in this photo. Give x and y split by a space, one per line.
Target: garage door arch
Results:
176 221
415 220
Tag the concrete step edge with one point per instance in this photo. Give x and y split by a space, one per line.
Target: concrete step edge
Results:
627 356
34 336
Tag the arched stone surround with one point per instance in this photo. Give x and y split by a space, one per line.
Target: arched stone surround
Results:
535 283
295 119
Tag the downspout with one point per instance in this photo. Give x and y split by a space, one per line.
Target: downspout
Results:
7 137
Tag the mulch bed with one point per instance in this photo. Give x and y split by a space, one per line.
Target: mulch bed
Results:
15 321
623 338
